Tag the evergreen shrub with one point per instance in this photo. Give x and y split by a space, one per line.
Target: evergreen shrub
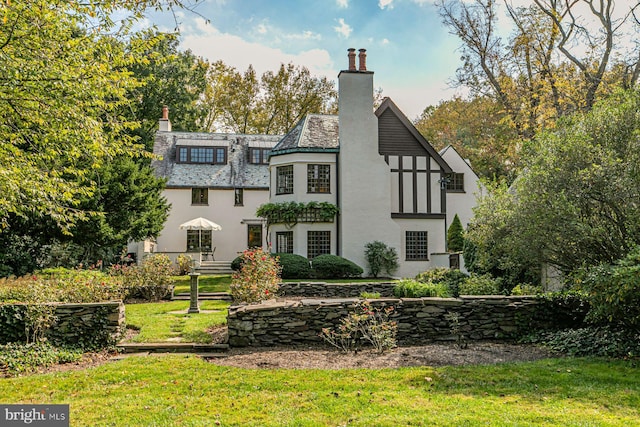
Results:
452 278
294 266
334 267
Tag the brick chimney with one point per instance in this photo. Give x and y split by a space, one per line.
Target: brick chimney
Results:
165 123
352 59
362 60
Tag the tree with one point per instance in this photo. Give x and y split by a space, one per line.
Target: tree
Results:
479 129
63 81
552 65
576 202
273 104
455 239
169 77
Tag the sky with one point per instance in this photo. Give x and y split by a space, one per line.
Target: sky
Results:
410 51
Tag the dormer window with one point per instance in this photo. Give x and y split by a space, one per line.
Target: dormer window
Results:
202 155
259 156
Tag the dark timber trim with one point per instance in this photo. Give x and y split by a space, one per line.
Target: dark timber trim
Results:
419 215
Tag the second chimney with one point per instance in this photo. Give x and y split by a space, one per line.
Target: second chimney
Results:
362 57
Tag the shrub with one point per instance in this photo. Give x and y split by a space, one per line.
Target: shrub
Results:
366 324
334 267
614 293
525 289
455 240
185 264
480 285
370 295
294 266
258 279
451 278
591 341
415 289
236 264
381 258
151 281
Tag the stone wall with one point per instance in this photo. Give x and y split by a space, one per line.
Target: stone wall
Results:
91 325
420 320
335 290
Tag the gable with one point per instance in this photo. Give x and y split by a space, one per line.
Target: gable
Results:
397 136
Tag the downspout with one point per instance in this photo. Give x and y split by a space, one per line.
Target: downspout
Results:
338 219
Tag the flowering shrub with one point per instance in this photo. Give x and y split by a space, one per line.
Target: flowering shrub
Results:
366 324
152 280
258 278
185 264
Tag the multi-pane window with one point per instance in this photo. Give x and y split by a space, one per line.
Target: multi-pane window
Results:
318 178
284 179
206 155
254 235
416 246
238 197
318 243
456 182
199 240
199 196
259 156
284 242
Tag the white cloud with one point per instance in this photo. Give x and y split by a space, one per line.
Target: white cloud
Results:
385 4
384 42
234 51
262 29
342 4
344 29
305 35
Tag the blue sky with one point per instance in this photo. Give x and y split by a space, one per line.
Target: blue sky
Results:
408 47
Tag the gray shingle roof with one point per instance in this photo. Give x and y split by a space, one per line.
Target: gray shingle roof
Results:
315 132
237 172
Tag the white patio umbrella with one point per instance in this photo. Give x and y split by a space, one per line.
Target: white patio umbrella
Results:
200 224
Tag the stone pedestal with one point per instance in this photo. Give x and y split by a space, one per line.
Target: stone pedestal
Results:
193 300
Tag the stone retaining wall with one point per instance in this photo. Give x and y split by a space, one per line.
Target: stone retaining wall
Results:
92 325
99 324
335 290
420 320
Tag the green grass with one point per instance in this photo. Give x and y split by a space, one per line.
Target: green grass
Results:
217 283
186 391
158 322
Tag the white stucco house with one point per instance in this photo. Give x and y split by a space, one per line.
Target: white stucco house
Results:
388 183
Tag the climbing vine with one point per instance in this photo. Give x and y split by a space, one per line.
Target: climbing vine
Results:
290 213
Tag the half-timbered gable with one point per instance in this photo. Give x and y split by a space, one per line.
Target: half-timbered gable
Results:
417 170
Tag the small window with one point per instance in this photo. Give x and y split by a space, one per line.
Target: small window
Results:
456 182
284 176
318 178
254 236
199 196
318 243
182 154
259 156
238 197
416 246
199 240
284 242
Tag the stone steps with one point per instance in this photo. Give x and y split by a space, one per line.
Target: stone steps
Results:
173 347
219 296
214 267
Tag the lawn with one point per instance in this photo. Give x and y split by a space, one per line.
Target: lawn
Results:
169 321
215 283
186 391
